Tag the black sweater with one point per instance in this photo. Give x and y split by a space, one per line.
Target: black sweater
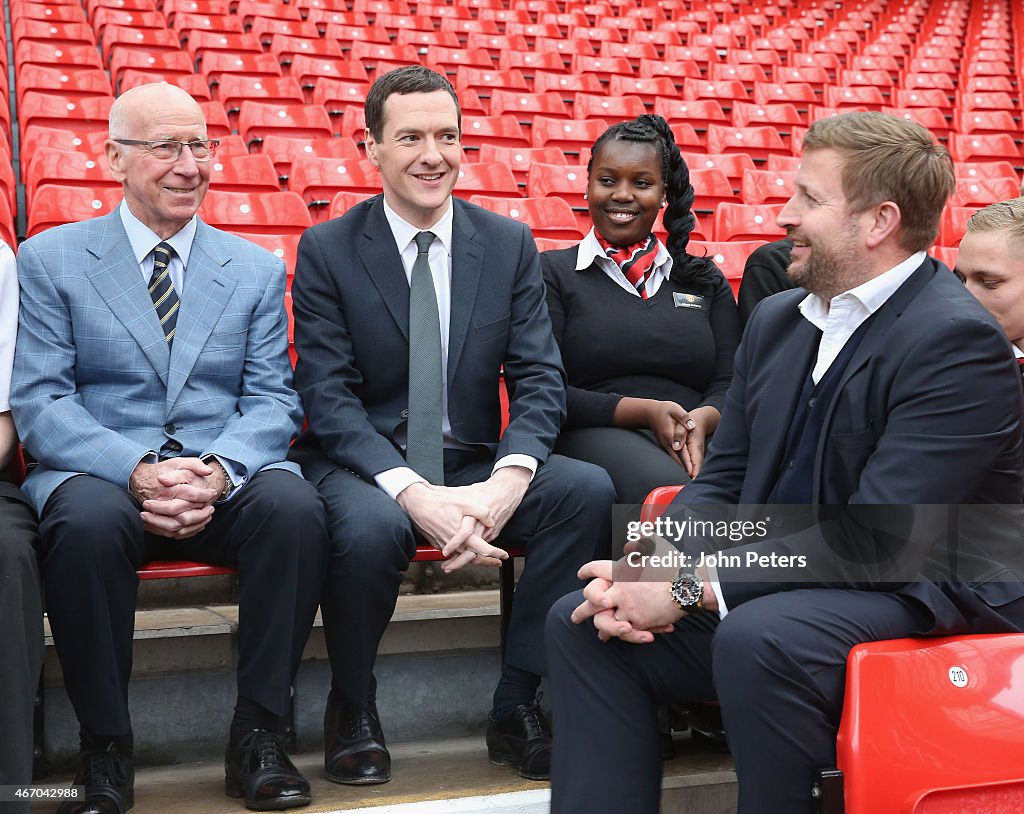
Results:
616 344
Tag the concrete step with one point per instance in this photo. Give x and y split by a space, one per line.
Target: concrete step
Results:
437 666
430 777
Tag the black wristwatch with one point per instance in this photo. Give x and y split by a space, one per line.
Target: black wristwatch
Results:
687 590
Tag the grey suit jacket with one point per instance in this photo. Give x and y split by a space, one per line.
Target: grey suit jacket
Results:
95 387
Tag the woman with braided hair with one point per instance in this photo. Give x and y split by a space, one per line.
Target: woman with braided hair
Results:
647 331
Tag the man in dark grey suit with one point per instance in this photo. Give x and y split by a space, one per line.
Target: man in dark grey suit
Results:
885 395
406 309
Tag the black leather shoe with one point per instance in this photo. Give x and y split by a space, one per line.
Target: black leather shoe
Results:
109 780
259 770
706 729
521 738
354 749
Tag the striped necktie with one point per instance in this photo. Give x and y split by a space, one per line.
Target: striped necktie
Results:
161 290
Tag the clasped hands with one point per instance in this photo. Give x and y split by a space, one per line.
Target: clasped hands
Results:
177 495
462 521
628 602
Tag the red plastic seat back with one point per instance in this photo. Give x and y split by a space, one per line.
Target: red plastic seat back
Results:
934 725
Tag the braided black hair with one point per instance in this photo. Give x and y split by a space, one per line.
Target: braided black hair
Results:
679 219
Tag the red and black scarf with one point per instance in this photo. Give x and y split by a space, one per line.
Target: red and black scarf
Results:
636 261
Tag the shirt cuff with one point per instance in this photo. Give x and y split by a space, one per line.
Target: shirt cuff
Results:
517 459
716 586
394 481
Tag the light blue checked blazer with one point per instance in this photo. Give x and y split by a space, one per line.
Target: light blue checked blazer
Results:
95 387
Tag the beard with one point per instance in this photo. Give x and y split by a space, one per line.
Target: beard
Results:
828 269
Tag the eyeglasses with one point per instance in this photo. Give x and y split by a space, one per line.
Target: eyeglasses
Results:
171 150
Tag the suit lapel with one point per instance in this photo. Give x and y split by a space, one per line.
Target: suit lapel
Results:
467 266
207 289
875 337
116 276
383 265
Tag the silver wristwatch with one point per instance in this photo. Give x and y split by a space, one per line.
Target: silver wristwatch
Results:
687 590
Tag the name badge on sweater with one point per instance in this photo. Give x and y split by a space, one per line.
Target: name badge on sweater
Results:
681 300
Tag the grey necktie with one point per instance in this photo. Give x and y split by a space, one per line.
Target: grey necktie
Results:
425 449
162 292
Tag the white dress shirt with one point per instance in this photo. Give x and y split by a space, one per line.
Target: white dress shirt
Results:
590 251
8 321
393 481
838 320
143 240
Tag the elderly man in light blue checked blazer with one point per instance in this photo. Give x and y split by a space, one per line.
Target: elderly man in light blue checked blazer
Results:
152 385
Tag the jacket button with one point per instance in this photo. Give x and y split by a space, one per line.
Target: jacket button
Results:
405 413
170 429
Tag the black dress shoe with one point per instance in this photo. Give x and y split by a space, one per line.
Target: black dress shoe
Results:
259 770
354 749
706 729
521 738
109 780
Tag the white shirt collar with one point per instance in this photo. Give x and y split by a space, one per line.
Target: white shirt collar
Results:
143 239
404 232
871 295
589 249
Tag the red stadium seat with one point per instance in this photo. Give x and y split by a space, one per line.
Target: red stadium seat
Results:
344 201
451 59
726 91
282 150
568 182
567 84
550 218
997 147
217 124
732 164
234 89
284 247
155 64
309 69
54 204
262 213
857 96
217 63
984 191
779 114
697 112
786 163
529 61
51 165
730 257
647 89
486 178
587 106
570 136
956 703
337 94
201 43
265 28
317 180
756 141
524 105
986 121
185 23
147 40
953 224
72 83
504 131
488 79
673 69
735 221
767 186
519 159
52 110
244 173
602 67
31 52
711 187
256 120
991 169
930 117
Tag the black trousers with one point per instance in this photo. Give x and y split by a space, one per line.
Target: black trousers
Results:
632 458
272 531
21 638
776 663
563 521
